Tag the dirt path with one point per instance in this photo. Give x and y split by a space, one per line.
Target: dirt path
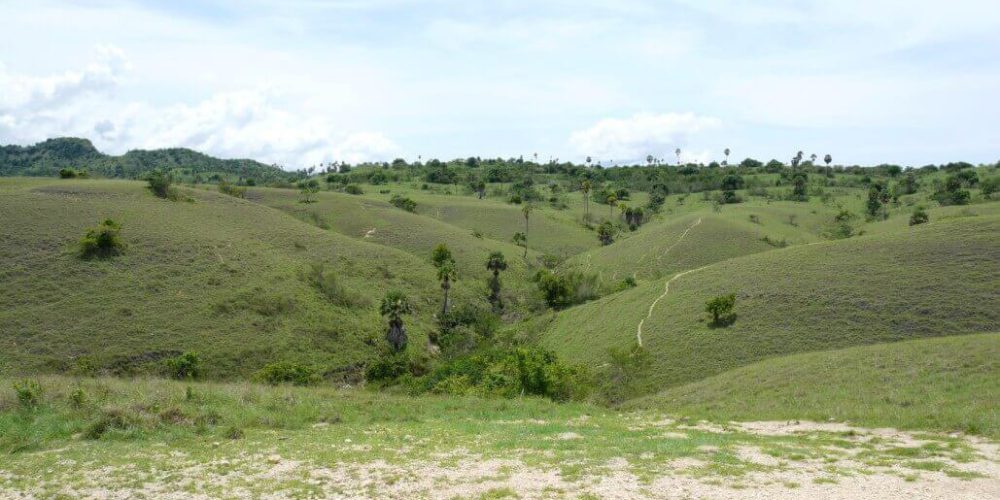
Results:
666 286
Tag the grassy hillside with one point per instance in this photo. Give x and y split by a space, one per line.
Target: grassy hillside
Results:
218 275
931 280
943 384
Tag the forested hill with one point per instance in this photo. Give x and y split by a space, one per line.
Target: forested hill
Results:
48 157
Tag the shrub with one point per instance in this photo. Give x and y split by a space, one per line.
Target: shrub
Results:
606 233
990 186
919 216
232 189
110 419
353 189
628 282
184 367
234 433
328 285
566 289
160 186
67 173
29 393
625 367
728 197
509 373
388 367
283 372
721 309
102 241
403 203
78 398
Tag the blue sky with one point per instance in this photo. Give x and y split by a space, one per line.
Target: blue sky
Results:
307 81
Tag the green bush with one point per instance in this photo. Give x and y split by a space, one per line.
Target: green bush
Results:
184 367
29 393
566 289
327 283
102 241
509 373
283 372
403 203
919 216
721 310
619 377
388 367
67 173
353 189
160 185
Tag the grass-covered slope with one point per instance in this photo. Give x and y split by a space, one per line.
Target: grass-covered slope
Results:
219 275
942 384
936 279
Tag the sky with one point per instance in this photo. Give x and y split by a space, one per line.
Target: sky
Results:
305 82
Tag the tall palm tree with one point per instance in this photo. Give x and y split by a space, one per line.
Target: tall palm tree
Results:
589 159
649 160
612 201
394 306
496 263
585 187
827 159
727 156
812 157
526 210
445 264
678 153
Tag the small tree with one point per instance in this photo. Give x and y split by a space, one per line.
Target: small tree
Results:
919 216
102 241
159 184
721 309
394 306
496 263
606 233
585 189
445 264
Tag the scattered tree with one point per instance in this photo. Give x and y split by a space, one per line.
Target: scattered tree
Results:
394 306
308 189
721 309
919 216
445 264
496 263
526 210
102 241
606 233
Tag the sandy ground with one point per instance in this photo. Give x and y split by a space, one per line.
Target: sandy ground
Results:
465 475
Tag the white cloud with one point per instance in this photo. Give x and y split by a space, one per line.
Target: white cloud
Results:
631 139
259 123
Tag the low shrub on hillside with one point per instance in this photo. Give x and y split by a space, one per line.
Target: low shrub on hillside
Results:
326 283
353 189
161 186
29 393
509 373
403 203
919 216
232 189
720 310
184 367
283 372
102 241
625 368
566 289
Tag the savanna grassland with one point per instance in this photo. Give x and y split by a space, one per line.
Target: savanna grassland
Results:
496 328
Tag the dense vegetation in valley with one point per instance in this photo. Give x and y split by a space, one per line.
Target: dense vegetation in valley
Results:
670 287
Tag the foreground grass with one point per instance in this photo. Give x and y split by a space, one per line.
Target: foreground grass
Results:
944 384
152 438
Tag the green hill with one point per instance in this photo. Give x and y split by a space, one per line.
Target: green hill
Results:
221 276
944 384
48 157
930 280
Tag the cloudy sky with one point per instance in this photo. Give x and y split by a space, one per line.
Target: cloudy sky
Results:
299 82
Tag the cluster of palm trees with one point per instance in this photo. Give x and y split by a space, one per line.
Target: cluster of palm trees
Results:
395 305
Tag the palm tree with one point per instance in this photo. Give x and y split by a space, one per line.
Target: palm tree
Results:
445 264
585 187
678 153
827 159
526 210
812 157
649 160
727 156
496 263
394 306
612 201
589 159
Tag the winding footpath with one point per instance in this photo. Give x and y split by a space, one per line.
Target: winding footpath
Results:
666 286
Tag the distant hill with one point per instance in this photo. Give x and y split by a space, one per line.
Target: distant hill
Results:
48 157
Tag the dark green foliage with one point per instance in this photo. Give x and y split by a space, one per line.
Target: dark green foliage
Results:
656 200
184 367
283 372
721 310
509 373
496 263
29 393
566 289
989 186
353 189
388 367
394 306
919 216
799 183
102 241
732 182
439 173
465 327
159 185
628 282
403 203
67 173
308 190
953 192
606 233
878 200
234 433
729 197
